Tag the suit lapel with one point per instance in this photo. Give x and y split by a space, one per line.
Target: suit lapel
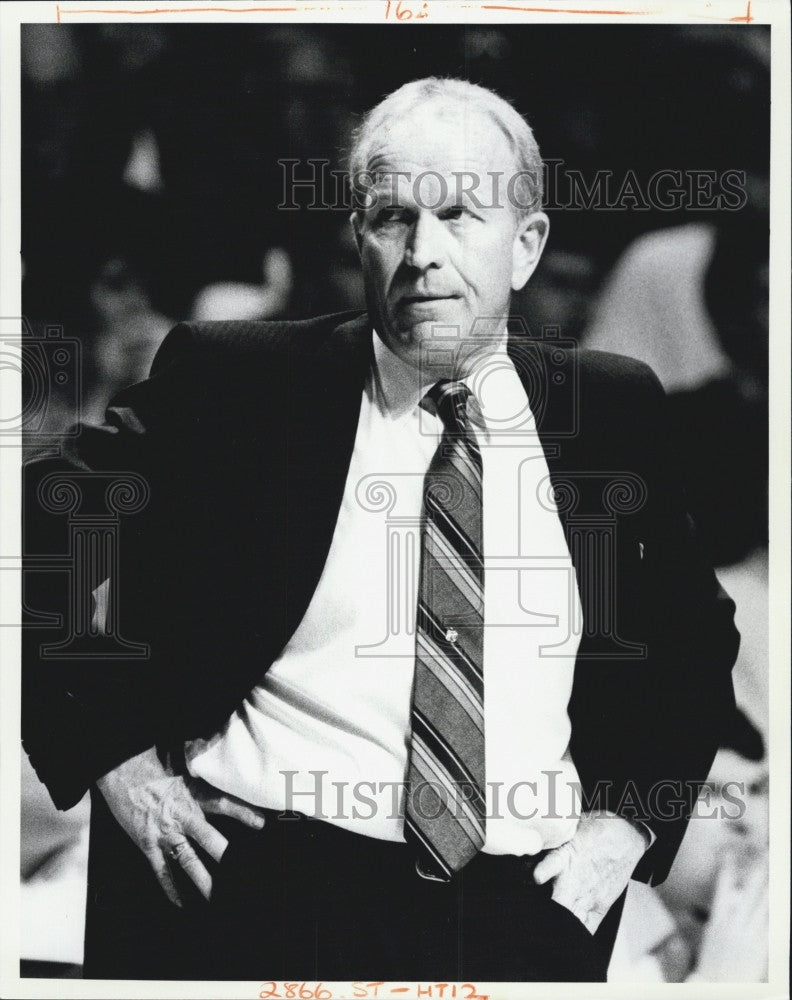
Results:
552 404
324 407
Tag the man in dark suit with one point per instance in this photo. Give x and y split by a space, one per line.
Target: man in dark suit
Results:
276 789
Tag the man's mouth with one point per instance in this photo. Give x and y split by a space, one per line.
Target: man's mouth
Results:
413 300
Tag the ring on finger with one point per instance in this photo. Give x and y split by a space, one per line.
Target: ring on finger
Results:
176 850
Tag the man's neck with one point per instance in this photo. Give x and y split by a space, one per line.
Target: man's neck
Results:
403 384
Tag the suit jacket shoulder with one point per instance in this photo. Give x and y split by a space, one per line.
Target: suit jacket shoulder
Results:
227 342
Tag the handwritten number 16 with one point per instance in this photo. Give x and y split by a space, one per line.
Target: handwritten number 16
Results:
404 13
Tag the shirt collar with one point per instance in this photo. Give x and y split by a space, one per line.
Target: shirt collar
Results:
493 380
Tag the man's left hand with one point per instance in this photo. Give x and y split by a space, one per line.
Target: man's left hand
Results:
592 870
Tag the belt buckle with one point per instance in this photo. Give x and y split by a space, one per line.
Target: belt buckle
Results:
431 876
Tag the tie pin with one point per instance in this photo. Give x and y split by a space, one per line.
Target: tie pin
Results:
451 635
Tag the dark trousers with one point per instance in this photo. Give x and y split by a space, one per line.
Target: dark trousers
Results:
304 900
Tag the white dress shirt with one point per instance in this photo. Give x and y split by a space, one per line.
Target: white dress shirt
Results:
326 732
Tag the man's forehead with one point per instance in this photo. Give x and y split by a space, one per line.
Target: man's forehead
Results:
445 140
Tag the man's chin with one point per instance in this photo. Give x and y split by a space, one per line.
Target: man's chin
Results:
430 329
432 348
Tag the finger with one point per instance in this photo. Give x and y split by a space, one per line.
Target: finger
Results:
194 869
206 836
551 865
221 804
164 877
240 811
218 803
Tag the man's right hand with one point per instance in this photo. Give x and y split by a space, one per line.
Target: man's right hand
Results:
162 812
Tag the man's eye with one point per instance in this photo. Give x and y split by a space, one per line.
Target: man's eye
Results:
390 215
453 214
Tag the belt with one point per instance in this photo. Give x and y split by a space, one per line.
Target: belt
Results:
322 832
425 866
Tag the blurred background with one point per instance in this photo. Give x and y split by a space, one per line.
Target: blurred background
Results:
150 193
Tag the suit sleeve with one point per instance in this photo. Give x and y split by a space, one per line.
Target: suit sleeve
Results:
91 702
668 709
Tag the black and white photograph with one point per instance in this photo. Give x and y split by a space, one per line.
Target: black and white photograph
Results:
395 451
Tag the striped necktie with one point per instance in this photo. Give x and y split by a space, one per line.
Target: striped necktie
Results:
445 808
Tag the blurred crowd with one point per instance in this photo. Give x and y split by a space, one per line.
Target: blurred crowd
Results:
150 194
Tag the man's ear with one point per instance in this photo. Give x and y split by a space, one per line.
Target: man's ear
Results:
529 242
356 221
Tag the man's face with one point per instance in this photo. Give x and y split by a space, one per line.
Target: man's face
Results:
439 260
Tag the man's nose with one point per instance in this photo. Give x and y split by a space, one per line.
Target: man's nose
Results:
424 248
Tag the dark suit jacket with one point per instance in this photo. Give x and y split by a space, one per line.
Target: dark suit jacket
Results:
244 433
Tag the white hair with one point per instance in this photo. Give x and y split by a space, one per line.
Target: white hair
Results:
452 94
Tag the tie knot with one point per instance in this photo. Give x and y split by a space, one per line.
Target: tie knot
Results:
453 401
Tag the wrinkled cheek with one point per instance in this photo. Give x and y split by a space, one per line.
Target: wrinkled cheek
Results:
379 271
